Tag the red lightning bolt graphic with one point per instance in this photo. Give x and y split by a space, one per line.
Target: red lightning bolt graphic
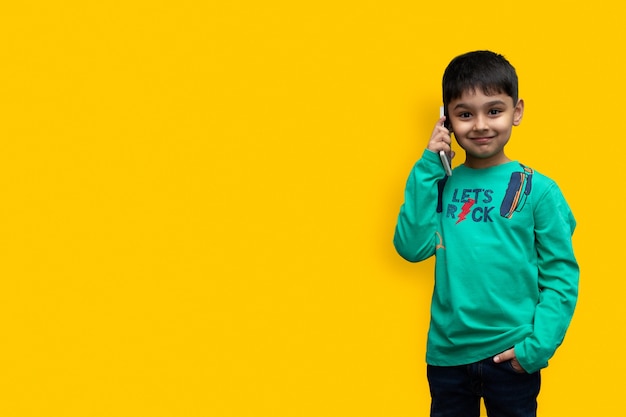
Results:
465 209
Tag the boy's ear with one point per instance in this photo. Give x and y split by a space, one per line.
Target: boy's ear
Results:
518 112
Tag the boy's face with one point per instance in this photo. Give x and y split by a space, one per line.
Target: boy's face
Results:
482 126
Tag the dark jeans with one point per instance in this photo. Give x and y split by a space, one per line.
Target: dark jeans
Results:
456 390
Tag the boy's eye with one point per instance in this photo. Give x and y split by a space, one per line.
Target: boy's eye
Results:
494 112
464 115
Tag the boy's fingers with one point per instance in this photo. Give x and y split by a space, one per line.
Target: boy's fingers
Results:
507 355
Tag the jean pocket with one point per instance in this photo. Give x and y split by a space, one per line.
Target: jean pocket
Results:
514 365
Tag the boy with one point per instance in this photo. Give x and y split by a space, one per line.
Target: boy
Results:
506 279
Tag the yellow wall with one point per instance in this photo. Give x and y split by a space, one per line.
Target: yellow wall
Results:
198 200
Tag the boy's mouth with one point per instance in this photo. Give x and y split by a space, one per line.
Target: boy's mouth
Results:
481 139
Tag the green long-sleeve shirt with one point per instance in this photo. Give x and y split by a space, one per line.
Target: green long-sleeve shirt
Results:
505 271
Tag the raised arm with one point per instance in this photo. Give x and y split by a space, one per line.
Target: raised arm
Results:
415 235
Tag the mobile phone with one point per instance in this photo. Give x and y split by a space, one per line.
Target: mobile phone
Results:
445 157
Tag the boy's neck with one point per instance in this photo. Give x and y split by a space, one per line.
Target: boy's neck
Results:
477 163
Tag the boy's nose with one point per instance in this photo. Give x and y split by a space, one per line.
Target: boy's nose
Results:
480 123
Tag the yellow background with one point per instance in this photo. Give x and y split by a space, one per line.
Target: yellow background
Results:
198 200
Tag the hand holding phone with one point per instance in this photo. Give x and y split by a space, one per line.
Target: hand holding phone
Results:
446 158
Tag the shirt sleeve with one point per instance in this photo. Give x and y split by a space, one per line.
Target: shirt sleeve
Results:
558 280
415 234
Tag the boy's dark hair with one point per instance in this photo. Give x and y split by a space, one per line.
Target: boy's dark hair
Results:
484 70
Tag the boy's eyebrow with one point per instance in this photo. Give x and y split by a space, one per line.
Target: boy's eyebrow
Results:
488 104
